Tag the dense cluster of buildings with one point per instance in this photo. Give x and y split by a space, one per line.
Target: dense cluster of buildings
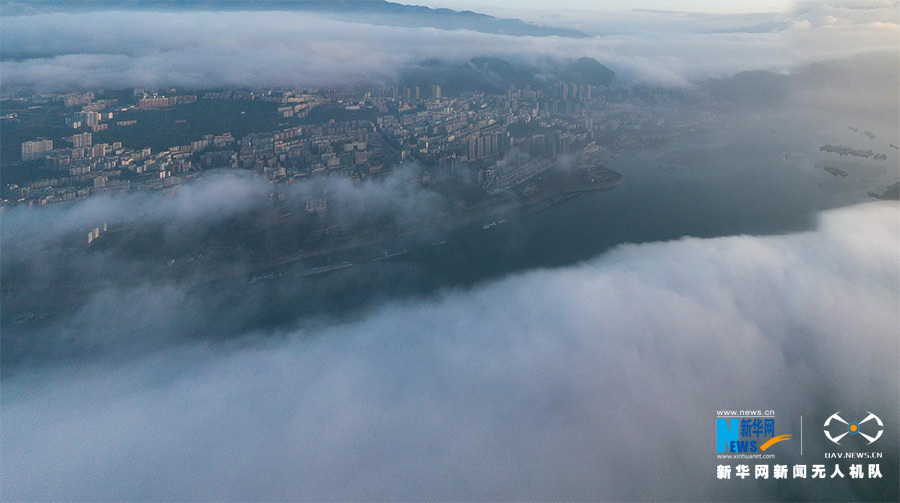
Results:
157 101
494 141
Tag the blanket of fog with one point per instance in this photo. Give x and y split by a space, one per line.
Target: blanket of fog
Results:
598 381
211 49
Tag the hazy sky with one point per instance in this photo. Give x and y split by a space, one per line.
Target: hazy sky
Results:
121 49
722 6
196 49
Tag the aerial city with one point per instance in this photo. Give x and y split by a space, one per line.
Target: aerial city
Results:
474 250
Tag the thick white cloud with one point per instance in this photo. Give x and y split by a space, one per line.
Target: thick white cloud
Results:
594 382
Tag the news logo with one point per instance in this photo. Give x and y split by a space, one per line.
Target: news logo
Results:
740 432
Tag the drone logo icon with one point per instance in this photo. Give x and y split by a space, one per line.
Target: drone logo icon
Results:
853 428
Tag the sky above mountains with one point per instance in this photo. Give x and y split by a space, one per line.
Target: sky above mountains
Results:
209 49
526 8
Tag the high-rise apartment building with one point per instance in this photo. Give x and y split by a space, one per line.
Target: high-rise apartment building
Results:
81 140
36 149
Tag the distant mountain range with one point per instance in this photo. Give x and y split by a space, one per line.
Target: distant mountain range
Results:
378 12
496 74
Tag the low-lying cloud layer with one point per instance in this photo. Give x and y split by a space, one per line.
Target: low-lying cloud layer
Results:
214 197
150 276
594 382
209 49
